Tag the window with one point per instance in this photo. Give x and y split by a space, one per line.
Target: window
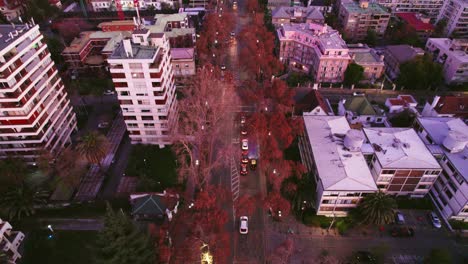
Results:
458 178
162 117
325 201
148 125
388 172
452 169
384 178
145 110
147 118
132 125
124 93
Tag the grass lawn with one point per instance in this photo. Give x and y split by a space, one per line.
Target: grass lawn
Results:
157 166
64 247
409 203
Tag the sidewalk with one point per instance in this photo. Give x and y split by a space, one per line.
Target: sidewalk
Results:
72 224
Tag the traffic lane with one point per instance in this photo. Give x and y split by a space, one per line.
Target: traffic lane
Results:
250 246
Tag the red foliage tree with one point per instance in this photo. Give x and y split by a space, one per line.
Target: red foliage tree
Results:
252 6
245 205
276 203
283 252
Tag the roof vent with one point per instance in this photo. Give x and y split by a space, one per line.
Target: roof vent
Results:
353 140
406 145
347 155
376 147
455 141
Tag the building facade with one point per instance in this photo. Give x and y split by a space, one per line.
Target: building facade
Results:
358 110
357 18
143 77
399 161
367 58
314 48
453 55
430 8
284 15
331 151
395 55
129 5
455 12
36 114
447 138
10 241
183 64
11 9
417 22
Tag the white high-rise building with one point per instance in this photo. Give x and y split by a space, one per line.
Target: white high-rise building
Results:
35 113
142 73
455 12
10 241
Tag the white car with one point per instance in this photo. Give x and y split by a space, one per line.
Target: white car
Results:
435 220
223 67
244 225
359 94
245 144
108 92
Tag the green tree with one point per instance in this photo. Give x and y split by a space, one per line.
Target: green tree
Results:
20 201
40 10
371 38
120 242
420 73
13 171
439 256
3 19
353 74
93 147
439 29
377 208
55 47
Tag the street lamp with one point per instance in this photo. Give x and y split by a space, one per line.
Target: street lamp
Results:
197 162
269 133
274 171
50 228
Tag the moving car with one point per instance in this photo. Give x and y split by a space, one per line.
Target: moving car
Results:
359 94
245 145
402 231
399 218
243 130
233 34
244 225
223 67
108 92
243 170
435 220
245 159
253 164
242 119
234 5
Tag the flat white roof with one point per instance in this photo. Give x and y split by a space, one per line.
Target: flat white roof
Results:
401 148
338 168
438 129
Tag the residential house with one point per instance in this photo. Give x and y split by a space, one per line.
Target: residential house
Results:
453 55
154 206
273 4
417 22
183 63
324 6
313 103
367 58
331 151
447 138
395 55
447 106
399 161
401 103
358 110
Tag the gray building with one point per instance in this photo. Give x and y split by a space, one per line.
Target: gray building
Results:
287 15
395 55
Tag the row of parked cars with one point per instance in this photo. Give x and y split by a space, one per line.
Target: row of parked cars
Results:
249 153
404 231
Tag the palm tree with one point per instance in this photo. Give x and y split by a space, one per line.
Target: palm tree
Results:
377 208
69 167
93 147
20 200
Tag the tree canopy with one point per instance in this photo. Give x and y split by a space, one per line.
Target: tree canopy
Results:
377 208
371 38
438 256
353 74
420 73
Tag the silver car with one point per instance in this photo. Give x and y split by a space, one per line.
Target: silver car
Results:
435 220
244 225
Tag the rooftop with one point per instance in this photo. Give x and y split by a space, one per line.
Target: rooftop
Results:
310 101
139 52
152 203
360 105
338 168
400 148
373 8
456 105
365 56
6 38
161 21
438 128
289 12
414 20
182 53
403 53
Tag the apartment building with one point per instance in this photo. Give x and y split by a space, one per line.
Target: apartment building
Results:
417 22
331 151
324 6
35 112
10 242
357 18
455 12
401 103
431 8
11 9
395 55
289 15
453 55
314 48
447 138
358 110
447 106
143 77
183 63
399 161
273 4
129 5
367 58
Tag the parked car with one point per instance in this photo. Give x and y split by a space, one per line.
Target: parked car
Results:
234 5
245 159
435 220
244 225
359 94
243 130
243 169
245 145
108 92
399 218
223 67
233 34
402 231
103 125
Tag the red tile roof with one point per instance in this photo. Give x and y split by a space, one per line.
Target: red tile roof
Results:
395 101
408 99
415 22
311 101
456 105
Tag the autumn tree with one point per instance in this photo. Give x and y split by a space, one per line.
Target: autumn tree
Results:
203 121
282 253
69 167
276 203
245 205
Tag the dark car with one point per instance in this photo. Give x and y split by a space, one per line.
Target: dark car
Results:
243 130
402 231
243 170
363 257
253 164
245 159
